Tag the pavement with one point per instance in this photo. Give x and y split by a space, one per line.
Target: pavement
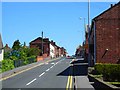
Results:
82 83
80 69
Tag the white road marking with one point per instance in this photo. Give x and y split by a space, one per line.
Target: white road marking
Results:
51 67
47 69
72 60
41 74
46 63
52 63
56 62
31 82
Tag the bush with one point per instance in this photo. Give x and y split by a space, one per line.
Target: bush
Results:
24 61
99 68
110 72
31 59
7 64
33 52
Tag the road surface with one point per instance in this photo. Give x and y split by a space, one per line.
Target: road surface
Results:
55 74
60 74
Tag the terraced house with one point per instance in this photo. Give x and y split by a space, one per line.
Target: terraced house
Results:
105 36
50 49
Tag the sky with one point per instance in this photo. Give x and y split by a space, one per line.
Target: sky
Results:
60 21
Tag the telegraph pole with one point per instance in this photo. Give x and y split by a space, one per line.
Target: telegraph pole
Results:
42 43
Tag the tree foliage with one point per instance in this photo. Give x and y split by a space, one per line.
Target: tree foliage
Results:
19 55
16 45
7 64
33 52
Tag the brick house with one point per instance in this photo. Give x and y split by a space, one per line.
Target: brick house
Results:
59 51
50 49
105 36
63 51
80 51
37 43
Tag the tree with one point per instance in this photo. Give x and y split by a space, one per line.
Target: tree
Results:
6 55
16 45
24 45
33 52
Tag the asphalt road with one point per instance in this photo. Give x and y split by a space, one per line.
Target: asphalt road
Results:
55 74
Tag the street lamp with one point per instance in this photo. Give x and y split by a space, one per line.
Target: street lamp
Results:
89 33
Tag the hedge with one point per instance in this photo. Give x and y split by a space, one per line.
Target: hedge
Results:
7 64
110 72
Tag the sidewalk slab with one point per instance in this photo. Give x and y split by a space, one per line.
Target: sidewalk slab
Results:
82 83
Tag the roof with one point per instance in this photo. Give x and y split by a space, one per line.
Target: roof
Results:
94 19
40 38
107 10
1 44
36 39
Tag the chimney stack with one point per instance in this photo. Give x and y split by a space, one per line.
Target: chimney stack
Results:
111 5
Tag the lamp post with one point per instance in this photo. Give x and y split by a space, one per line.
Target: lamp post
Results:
89 32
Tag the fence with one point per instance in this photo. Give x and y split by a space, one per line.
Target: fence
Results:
20 62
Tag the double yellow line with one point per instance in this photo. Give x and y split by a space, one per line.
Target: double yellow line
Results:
70 79
69 83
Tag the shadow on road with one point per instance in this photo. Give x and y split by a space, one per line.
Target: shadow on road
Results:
75 70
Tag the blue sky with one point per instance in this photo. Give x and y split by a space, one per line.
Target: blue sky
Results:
58 20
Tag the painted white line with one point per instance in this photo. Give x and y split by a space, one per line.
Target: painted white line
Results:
47 69
52 63
56 62
72 60
31 82
41 74
46 63
51 67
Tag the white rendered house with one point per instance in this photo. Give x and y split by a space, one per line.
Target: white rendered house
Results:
1 49
52 51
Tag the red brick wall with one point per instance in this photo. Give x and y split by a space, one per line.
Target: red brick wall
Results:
46 47
108 36
38 43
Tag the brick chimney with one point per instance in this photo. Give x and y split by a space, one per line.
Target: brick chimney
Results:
111 5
